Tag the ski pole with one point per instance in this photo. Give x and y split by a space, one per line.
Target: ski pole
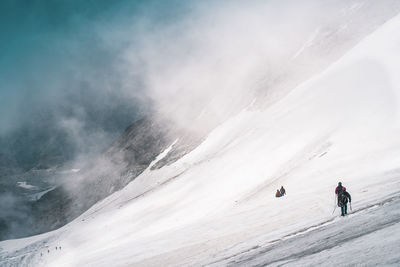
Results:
334 205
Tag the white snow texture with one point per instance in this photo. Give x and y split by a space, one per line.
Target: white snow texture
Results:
216 205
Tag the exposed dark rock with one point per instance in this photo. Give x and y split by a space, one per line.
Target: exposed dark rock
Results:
122 162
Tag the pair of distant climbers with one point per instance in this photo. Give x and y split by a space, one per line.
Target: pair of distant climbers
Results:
281 192
343 197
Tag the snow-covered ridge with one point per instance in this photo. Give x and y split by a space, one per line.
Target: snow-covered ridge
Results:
25 185
215 205
37 196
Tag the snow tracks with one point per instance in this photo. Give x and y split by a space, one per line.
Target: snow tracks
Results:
369 236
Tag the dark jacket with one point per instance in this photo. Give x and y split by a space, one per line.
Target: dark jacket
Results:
283 191
344 198
339 189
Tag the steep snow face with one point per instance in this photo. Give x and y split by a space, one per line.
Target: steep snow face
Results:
228 55
218 201
201 70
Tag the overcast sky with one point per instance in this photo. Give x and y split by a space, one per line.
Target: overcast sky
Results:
63 56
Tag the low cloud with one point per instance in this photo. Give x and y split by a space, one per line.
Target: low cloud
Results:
75 74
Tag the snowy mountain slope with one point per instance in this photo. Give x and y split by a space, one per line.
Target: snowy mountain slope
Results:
110 171
218 78
344 241
217 202
251 54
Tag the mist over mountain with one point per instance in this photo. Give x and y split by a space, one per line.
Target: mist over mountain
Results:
61 100
61 93
68 88
166 126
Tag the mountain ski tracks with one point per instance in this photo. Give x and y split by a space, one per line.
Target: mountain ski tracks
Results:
318 238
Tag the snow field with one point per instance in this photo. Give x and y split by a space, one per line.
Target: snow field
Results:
219 199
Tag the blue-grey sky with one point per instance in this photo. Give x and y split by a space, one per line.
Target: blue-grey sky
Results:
63 70
55 56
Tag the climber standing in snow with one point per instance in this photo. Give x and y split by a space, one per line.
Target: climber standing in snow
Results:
278 193
339 189
282 191
344 198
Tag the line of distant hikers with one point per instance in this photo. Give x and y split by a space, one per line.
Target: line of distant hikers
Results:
343 197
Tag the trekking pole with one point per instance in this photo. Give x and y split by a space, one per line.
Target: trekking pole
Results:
334 205
350 207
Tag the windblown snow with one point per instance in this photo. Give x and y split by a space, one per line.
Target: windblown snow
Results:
216 205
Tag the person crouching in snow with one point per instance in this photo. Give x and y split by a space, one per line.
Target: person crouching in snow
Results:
343 198
278 193
282 191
